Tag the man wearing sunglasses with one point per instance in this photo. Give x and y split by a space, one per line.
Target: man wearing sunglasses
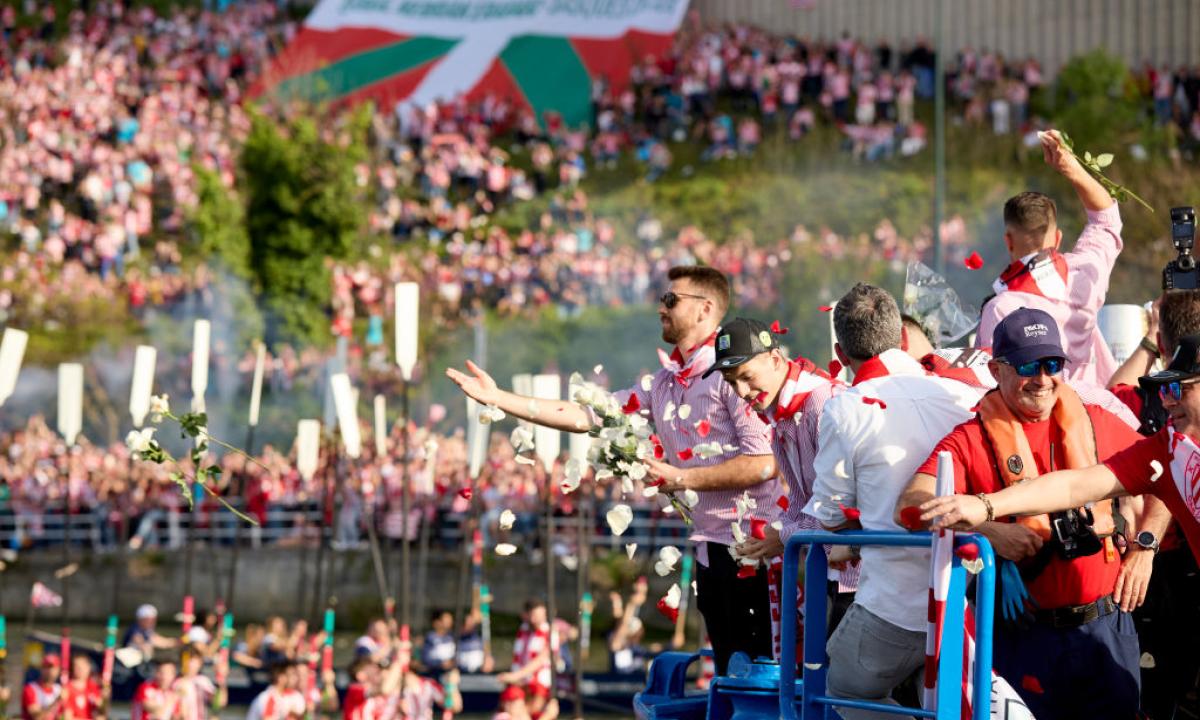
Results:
1080 587
736 610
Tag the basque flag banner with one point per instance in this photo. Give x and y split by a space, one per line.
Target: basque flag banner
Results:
1006 704
538 54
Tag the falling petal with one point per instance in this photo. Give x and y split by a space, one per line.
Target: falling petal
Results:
973 261
851 513
465 493
778 525
778 329
684 454
619 518
703 428
825 308
783 502
839 469
570 562
507 518
647 382
630 549
1158 470
669 412
661 569
691 498
522 460
631 405
490 414
758 529
694 593
684 411
670 555
598 369
506 549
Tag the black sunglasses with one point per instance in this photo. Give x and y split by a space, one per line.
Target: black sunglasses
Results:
1052 366
671 298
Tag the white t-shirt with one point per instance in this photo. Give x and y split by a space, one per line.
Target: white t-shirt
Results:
867 454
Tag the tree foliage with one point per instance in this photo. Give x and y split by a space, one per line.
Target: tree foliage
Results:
303 206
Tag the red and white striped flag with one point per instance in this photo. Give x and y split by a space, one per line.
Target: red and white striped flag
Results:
43 597
1006 704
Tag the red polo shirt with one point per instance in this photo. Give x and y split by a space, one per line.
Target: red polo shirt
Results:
1132 467
1063 582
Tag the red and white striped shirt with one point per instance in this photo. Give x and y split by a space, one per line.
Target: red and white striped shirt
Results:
794 443
732 423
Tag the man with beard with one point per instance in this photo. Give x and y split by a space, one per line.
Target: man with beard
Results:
736 609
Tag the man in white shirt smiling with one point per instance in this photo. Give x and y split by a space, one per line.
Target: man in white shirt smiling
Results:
872 438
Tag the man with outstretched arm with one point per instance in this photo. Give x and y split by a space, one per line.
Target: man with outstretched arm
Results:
1166 465
736 610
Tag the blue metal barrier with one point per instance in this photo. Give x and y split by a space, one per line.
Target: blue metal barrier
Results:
814 702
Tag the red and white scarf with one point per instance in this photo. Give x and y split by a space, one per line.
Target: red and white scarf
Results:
701 357
1185 470
886 363
967 366
803 378
1042 273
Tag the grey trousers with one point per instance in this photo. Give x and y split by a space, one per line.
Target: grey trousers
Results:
868 658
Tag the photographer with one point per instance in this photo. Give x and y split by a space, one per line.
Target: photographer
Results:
1069 286
1076 654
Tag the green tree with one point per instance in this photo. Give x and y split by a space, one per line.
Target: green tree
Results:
1097 102
303 206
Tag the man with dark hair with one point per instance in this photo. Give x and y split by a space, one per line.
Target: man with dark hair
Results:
1171 666
1082 589
1069 286
437 651
737 609
790 396
872 437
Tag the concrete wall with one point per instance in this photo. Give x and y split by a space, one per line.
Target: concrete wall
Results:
269 582
1051 30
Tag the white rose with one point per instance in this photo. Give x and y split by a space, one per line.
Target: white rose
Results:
159 407
139 441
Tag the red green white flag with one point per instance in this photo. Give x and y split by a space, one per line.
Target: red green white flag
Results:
543 54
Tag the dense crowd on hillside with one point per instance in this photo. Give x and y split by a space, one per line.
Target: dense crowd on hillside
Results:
103 123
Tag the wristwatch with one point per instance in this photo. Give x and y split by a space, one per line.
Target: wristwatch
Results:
1150 346
1147 540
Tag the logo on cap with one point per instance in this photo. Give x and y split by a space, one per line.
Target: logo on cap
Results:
723 342
1036 330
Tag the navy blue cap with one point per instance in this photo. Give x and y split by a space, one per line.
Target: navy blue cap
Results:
1025 335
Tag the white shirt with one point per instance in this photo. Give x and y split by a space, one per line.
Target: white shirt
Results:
866 456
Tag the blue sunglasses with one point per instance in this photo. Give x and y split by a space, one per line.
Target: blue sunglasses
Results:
1173 390
1051 366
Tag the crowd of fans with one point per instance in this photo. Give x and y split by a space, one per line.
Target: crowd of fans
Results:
104 122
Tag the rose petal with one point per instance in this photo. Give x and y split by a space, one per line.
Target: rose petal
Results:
630 549
507 518
631 405
647 382
703 428
522 460
758 529
684 454
973 261
835 368
746 571
875 401
464 493
910 517
968 551
778 329
851 513
659 453
825 308
683 412
619 518
783 502
506 549
598 369
1158 470
670 613
691 498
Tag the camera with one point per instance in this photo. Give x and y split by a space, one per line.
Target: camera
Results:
1074 534
1181 273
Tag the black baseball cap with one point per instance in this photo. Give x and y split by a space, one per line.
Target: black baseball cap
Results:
1025 335
1185 363
740 340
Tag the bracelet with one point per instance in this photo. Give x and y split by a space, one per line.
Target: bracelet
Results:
991 512
1150 346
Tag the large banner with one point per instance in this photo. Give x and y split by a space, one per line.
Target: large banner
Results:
543 54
